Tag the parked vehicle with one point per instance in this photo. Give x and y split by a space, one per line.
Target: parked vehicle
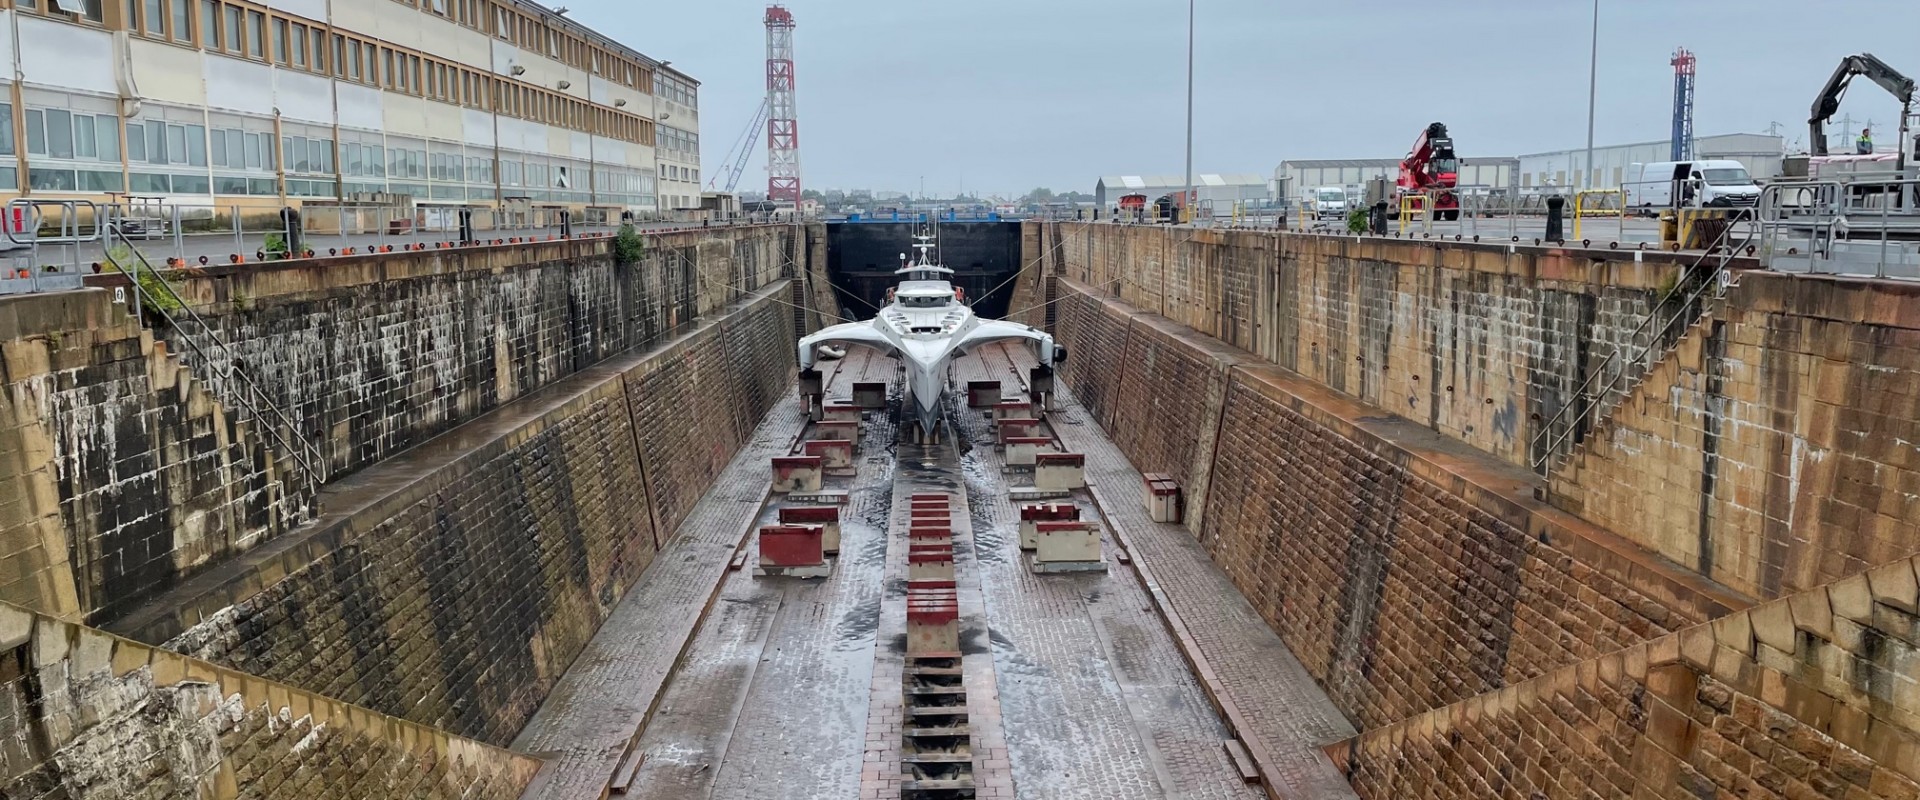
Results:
1328 202
1432 170
1707 183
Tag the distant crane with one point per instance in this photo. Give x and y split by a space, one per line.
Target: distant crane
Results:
783 120
1683 72
735 163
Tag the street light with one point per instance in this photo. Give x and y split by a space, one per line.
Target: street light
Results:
1188 201
1593 82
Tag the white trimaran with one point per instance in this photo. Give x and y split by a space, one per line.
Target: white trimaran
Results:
925 325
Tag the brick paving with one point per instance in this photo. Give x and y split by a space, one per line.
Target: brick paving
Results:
1287 713
594 714
1096 699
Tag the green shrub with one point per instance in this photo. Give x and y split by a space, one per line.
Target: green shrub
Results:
156 294
628 245
275 247
1357 221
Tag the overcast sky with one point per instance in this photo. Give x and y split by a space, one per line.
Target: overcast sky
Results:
1005 95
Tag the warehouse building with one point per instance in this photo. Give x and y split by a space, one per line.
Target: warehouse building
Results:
481 103
1221 190
1293 179
1612 163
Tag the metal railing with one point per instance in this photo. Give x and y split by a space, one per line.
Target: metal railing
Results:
1610 381
1868 225
218 363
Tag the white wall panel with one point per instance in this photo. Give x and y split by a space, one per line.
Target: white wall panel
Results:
239 86
311 9
66 56
303 96
476 127
361 106
582 145
168 74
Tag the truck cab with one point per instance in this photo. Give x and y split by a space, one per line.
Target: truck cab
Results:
1707 183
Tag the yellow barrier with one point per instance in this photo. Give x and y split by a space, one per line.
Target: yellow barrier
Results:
1583 209
1410 203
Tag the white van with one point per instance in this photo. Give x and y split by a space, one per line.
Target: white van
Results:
1328 202
1691 184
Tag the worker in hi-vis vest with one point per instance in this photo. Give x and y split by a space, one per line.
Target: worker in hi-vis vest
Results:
1865 145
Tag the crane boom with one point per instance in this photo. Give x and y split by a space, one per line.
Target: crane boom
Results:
1431 168
1828 102
735 162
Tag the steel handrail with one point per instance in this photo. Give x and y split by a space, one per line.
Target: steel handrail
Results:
1590 402
224 366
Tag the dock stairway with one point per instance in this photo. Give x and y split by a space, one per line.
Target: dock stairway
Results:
153 298
1689 304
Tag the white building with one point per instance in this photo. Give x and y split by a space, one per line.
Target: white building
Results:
1759 152
259 104
1294 179
1221 190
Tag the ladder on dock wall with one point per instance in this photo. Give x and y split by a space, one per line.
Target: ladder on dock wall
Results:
218 363
1701 286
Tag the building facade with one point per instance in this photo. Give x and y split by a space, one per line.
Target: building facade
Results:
1221 190
1294 179
481 103
1612 164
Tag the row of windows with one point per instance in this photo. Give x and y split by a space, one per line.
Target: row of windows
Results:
676 140
61 134
245 31
542 33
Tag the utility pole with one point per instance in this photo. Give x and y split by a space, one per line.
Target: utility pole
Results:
1188 201
1593 84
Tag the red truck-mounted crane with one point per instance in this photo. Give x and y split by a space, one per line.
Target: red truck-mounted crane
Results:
1431 169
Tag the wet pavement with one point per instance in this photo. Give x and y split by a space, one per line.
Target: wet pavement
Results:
1076 685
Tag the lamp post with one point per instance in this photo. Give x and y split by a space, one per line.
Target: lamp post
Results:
1188 201
1593 82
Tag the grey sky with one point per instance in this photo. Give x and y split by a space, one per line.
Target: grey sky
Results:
1004 95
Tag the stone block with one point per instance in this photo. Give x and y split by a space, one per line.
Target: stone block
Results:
841 411
795 550
870 395
1016 427
827 517
829 430
1013 409
833 453
1895 585
933 622
1032 515
1162 497
1059 471
1067 546
797 473
1023 450
983 394
930 562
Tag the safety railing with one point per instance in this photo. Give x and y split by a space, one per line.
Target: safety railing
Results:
1609 382
1416 207
215 360
1596 203
28 227
1866 225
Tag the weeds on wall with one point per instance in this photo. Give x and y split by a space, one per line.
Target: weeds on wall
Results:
275 247
156 294
628 245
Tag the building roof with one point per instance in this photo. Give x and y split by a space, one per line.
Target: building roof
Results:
561 20
1698 141
1180 182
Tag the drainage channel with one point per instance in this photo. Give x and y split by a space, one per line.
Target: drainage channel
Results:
936 748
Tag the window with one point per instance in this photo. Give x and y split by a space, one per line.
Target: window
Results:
280 41
6 129
210 24
219 147
256 34
84 143
153 16
319 50
176 144
136 142
196 145
157 142
440 7
182 20
353 60
253 155
236 39
299 45
59 133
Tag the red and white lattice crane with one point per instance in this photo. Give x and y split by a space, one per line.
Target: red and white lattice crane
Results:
783 121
